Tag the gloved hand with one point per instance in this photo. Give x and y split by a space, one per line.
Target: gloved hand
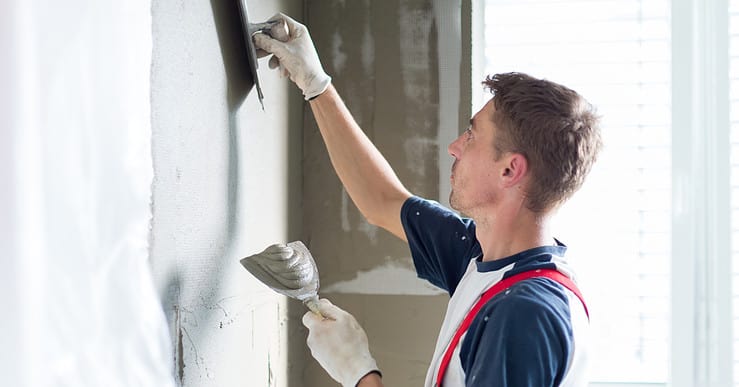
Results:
339 344
297 56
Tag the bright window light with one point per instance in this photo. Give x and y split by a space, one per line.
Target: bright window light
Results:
618 227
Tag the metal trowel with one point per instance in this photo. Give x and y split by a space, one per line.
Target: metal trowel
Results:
289 269
250 29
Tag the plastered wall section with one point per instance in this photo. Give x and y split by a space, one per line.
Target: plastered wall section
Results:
226 185
398 66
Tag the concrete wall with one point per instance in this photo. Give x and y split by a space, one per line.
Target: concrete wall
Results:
226 185
398 65
228 182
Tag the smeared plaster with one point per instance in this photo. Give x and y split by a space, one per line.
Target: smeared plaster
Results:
345 226
450 89
417 151
362 225
417 24
387 60
367 47
368 230
224 188
339 56
388 279
382 56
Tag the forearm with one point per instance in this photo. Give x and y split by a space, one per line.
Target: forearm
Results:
367 176
372 379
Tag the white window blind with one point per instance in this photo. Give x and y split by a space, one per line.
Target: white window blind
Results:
618 227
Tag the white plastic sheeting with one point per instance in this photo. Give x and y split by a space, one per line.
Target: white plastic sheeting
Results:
78 304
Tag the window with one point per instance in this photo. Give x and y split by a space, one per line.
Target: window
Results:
665 75
661 269
617 54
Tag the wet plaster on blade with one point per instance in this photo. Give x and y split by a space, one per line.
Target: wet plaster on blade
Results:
288 269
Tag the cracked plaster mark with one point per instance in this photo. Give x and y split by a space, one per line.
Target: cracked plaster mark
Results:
179 358
182 336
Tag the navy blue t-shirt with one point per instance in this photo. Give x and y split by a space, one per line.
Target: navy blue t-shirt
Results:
522 337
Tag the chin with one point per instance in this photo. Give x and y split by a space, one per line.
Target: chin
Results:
454 201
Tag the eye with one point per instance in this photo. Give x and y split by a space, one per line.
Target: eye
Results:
468 133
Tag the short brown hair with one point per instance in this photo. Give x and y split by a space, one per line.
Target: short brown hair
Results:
554 127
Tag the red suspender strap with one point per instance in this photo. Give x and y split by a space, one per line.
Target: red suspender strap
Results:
490 293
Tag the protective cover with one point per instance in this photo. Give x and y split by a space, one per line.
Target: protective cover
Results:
79 304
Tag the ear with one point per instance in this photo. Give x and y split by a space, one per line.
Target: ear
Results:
515 169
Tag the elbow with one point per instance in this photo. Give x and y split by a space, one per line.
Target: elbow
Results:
384 212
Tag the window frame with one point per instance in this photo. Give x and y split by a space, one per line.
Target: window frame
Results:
701 292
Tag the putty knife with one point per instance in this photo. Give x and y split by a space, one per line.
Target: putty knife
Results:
289 270
251 52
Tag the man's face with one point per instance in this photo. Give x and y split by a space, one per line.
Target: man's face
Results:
475 170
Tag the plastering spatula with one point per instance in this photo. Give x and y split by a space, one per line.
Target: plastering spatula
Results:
289 270
251 52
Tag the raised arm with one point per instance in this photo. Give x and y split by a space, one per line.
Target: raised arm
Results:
370 181
368 178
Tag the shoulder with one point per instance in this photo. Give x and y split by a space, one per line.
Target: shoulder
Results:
523 333
532 297
534 309
441 242
427 222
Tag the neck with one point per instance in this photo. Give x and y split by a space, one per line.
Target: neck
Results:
505 234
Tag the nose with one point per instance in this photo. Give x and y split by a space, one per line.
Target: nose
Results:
454 147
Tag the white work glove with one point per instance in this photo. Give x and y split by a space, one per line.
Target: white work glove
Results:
296 56
339 344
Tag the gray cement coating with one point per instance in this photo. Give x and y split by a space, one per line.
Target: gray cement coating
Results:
226 183
391 67
231 179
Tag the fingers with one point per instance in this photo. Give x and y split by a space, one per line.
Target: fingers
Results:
328 310
310 320
261 53
278 16
266 43
274 62
280 31
292 25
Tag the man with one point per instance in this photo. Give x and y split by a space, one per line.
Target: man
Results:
524 154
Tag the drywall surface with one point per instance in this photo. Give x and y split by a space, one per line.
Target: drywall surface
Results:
400 69
226 185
